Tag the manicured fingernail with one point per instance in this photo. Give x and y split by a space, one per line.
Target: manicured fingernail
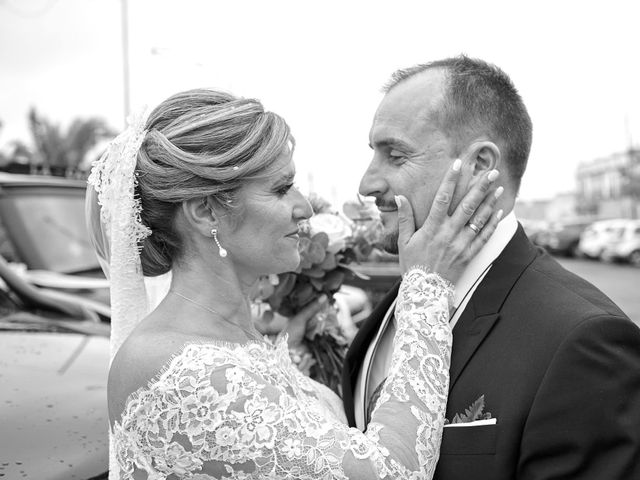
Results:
397 199
323 299
499 214
493 174
456 165
499 191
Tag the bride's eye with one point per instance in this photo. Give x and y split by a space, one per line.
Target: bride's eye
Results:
283 190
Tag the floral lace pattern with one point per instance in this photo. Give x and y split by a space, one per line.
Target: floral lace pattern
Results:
231 411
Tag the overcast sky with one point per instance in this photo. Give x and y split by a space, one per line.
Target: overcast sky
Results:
321 64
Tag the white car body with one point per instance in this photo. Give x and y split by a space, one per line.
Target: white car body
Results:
598 235
626 246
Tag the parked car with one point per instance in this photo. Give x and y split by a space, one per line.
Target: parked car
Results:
54 334
42 228
534 228
377 278
54 358
625 246
44 222
54 329
562 238
598 235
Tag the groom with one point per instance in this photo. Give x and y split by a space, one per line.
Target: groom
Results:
550 365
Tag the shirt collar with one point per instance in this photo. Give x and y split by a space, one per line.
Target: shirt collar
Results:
505 231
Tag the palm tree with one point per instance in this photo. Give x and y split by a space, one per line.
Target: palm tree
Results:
48 143
82 136
61 153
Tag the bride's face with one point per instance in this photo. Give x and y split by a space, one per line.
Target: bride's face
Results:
265 239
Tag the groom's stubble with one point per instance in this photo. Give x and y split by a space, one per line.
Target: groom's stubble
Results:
390 241
390 233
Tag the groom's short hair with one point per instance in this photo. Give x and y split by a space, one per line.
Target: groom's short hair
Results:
479 98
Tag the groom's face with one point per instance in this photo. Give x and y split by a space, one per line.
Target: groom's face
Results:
410 153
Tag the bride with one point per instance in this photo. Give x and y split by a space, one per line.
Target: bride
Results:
205 189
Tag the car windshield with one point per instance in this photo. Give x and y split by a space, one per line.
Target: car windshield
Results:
56 226
617 232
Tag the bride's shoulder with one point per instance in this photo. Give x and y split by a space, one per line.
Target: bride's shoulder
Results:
143 351
148 355
138 361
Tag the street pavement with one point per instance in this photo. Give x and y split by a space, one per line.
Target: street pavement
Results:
619 282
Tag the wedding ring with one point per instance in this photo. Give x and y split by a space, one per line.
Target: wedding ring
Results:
473 227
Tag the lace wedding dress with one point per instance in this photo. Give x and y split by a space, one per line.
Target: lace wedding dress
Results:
243 411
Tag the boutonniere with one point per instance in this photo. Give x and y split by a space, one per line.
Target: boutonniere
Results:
473 413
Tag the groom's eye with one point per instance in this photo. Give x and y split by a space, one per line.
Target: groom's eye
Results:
397 156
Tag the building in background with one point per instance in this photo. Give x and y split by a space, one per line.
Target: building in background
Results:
561 208
533 210
609 187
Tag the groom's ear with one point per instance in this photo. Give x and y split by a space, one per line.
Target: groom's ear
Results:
200 215
483 157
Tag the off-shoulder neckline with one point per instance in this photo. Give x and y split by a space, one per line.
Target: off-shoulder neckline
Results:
267 344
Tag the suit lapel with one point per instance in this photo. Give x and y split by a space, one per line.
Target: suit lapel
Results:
358 349
475 323
483 310
467 341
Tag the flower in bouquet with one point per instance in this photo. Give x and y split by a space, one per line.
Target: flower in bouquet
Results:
367 227
326 249
325 254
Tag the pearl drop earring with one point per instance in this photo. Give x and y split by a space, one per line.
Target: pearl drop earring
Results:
221 251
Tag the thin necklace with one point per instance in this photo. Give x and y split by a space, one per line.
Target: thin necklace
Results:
252 334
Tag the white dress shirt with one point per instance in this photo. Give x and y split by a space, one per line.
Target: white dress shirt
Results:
378 357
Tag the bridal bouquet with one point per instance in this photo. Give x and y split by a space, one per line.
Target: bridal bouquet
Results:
329 243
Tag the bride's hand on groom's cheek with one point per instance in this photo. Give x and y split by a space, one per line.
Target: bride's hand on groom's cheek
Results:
446 243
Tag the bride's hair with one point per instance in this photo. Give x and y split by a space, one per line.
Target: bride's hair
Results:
200 143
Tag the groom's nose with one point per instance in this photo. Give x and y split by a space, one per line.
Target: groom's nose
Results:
373 182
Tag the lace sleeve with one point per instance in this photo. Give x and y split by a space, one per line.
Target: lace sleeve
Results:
247 414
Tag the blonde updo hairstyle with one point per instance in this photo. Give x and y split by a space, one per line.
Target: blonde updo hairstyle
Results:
200 143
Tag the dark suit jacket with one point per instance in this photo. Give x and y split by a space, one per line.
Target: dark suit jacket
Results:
558 364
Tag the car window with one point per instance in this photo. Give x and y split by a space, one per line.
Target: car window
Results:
55 227
618 232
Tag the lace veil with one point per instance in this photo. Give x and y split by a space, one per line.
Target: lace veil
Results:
115 229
